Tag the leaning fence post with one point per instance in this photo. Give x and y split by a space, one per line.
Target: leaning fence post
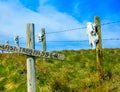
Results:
31 70
99 47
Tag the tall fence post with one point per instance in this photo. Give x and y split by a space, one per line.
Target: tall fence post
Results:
99 47
43 42
31 69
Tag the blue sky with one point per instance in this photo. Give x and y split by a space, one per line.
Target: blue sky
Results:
59 15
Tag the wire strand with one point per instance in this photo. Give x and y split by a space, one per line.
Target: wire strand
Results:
67 30
85 40
110 23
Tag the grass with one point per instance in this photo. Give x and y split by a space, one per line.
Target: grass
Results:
77 73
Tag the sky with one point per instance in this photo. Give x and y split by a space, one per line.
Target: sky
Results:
59 15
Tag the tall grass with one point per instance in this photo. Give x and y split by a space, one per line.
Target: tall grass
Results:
77 73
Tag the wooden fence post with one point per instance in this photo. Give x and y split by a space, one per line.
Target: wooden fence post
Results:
43 42
7 43
99 47
31 69
16 39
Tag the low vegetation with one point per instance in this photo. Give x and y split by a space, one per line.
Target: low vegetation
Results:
77 73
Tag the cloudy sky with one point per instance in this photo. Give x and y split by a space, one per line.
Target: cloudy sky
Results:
59 15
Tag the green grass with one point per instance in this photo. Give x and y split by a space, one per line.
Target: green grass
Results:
77 73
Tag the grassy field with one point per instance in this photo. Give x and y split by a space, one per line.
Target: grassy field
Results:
77 73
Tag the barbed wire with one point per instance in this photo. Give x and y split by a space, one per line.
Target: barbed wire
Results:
70 41
67 30
110 23
111 39
102 24
84 40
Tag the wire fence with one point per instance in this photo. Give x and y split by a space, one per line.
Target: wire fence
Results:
80 28
68 43
111 40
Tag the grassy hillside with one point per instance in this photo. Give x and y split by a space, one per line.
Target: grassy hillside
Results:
77 73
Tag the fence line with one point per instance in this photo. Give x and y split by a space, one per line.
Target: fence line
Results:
97 54
73 41
69 41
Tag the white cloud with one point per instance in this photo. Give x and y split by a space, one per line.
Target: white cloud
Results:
14 17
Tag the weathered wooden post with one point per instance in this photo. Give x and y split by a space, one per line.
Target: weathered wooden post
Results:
16 39
7 43
2 51
31 69
43 41
31 53
99 47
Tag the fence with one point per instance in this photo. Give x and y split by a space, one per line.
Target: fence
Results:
71 44
98 49
31 53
